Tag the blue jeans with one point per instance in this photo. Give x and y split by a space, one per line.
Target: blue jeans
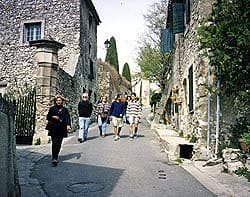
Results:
84 126
102 124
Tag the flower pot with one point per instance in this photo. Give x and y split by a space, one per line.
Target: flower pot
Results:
243 146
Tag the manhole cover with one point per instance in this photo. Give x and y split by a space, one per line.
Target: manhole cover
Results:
85 187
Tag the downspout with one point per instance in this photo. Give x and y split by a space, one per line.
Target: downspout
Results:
208 108
217 119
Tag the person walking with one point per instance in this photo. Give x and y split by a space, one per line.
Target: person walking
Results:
116 113
102 111
134 115
59 124
85 110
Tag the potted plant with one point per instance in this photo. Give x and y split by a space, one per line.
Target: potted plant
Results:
245 140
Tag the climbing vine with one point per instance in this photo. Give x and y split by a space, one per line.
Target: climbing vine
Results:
226 35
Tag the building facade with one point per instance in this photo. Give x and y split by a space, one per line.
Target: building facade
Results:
71 23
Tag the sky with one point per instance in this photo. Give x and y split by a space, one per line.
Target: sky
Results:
122 19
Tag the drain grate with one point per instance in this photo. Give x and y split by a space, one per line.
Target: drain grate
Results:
162 174
85 187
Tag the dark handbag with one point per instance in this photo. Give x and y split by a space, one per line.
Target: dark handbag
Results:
49 126
103 115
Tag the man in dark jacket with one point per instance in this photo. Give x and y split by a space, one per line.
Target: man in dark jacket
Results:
85 110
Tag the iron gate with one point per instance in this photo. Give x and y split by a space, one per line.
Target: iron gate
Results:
25 118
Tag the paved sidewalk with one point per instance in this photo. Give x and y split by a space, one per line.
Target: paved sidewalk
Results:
212 177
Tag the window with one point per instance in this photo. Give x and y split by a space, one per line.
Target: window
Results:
91 69
187 12
178 17
191 92
32 31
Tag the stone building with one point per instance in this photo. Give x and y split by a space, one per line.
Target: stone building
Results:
111 82
72 27
191 108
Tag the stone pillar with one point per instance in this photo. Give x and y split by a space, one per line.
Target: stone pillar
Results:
46 83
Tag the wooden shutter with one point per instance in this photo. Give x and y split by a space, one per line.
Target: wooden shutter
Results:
187 11
166 40
191 92
178 18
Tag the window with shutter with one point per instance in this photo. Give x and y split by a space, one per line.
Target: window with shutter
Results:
187 12
166 40
178 18
190 93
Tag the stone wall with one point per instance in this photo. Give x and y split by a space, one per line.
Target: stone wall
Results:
73 24
9 184
110 82
186 54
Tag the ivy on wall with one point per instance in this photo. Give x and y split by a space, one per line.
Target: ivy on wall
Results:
226 33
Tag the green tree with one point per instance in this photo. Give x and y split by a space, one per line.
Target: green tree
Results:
126 72
112 56
154 64
226 34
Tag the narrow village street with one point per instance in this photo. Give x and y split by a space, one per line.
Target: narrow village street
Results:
104 167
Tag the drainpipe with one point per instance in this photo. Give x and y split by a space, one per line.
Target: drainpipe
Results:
217 119
208 108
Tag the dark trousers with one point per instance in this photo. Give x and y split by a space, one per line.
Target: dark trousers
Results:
56 146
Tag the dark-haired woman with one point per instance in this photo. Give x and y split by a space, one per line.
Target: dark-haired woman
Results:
60 123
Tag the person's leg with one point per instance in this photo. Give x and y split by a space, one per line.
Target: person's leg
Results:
104 126
81 129
99 121
116 132
136 127
131 122
119 131
86 127
56 146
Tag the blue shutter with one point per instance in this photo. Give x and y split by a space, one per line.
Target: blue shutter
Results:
178 18
166 40
187 11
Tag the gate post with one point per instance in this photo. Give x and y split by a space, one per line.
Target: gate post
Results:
46 83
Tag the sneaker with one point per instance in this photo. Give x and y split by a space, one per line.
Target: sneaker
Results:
135 135
103 135
116 138
80 140
131 137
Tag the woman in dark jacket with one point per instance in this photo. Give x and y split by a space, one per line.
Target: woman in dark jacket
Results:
59 124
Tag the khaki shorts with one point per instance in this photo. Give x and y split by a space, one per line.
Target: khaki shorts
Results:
117 122
133 120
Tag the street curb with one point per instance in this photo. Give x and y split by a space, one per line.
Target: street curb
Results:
207 181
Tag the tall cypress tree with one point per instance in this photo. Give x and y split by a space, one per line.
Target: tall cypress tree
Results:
111 56
126 72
